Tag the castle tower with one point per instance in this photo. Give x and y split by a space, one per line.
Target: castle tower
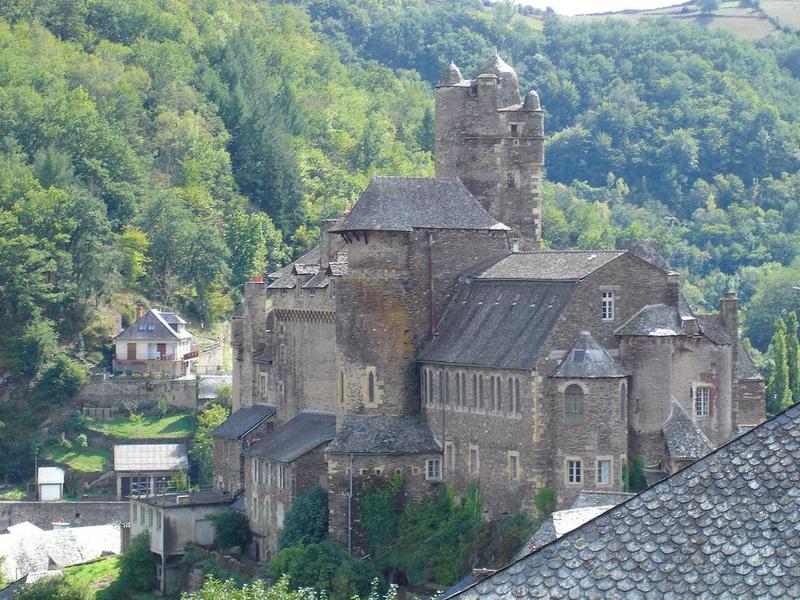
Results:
492 140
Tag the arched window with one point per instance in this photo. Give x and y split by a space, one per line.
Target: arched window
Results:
371 388
573 404
623 401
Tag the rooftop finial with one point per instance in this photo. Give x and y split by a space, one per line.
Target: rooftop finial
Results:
496 53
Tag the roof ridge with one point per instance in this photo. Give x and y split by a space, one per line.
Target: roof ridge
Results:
693 467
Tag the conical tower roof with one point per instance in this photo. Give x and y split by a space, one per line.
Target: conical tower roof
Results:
451 75
507 81
588 359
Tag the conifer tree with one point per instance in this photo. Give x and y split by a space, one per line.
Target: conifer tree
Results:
793 354
779 394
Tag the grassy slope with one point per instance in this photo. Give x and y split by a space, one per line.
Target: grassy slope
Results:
95 576
86 460
177 425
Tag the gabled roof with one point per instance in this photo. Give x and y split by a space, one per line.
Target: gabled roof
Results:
745 367
685 440
361 434
498 323
296 437
243 421
714 329
153 325
587 359
407 203
147 458
653 320
725 526
556 265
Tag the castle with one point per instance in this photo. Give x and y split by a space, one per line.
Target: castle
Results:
428 335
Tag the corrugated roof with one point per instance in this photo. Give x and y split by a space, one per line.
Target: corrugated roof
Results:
244 420
407 203
685 440
498 323
295 438
362 434
47 475
587 359
725 526
552 265
150 457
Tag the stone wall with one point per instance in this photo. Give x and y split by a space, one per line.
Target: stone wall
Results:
116 393
44 514
248 337
229 461
750 402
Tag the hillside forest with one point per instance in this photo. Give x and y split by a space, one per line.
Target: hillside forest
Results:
167 150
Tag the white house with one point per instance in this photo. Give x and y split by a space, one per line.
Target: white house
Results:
156 343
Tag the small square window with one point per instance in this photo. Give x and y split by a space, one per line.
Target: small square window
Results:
433 469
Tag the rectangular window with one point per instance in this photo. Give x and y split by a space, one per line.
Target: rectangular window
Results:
513 466
256 470
433 469
450 456
269 473
444 387
474 461
514 129
511 181
158 521
480 392
430 386
281 476
463 385
574 471
513 385
603 471
608 306
702 401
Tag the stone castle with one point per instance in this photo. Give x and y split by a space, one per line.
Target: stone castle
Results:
428 335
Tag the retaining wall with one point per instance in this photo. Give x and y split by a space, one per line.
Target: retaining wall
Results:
44 514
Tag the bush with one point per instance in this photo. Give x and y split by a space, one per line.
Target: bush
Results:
324 567
633 476
381 513
51 588
231 528
137 568
214 589
34 348
61 379
545 502
307 521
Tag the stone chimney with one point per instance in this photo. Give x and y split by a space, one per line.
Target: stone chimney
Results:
139 310
327 247
673 288
727 311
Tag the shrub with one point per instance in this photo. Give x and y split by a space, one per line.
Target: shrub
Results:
81 440
36 346
137 567
231 528
381 514
324 567
545 502
51 588
307 521
61 379
633 476
214 589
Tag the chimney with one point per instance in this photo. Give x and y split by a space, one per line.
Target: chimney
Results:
139 310
673 288
727 311
327 250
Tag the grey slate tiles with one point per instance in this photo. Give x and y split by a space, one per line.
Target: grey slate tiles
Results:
361 434
727 526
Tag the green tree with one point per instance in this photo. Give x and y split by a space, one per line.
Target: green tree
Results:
633 475
137 566
51 588
545 502
231 527
202 451
793 355
779 391
214 589
307 521
36 346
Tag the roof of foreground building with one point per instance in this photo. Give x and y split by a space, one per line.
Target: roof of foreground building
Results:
407 203
148 458
362 434
726 526
685 440
296 437
558 265
243 421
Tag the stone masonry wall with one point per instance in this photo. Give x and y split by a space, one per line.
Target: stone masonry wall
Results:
115 394
44 514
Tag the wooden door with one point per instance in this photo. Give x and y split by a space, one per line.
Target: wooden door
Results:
132 351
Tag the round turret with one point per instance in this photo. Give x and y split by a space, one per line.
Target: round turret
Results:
507 82
451 75
532 101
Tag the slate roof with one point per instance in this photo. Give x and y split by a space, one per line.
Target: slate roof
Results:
587 359
745 368
309 258
507 82
146 458
550 265
361 434
714 329
296 437
498 323
724 527
407 203
589 498
653 320
450 76
685 440
243 421
153 325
